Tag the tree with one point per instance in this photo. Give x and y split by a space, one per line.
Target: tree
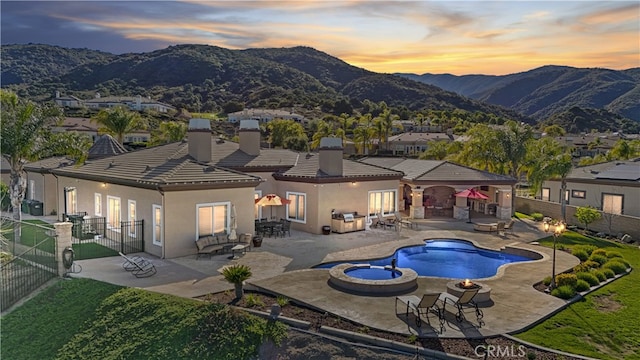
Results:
363 133
587 215
554 130
118 121
280 130
622 150
481 150
168 132
387 119
26 136
237 274
436 150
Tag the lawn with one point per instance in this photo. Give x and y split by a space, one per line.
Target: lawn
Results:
605 323
88 319
31 233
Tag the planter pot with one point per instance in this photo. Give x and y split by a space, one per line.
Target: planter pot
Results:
326 230
257 241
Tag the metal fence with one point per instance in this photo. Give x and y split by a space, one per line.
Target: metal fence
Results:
93 237
28 259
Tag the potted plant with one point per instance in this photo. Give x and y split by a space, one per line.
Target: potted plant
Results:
237 274
257 241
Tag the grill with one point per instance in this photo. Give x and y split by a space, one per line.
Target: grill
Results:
348 217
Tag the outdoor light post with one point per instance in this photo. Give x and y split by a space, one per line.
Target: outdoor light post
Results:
557 232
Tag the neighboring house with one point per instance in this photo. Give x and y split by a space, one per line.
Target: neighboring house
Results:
612 187
413 143
265 115
133 102
589 144
90 128
67 101
428 188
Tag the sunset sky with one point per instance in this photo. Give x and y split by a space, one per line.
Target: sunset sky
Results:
457 37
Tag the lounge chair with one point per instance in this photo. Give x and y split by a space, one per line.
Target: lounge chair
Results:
500 228
422 307
138 266
401 221
385 223
509 225
626 238
465 300
485 227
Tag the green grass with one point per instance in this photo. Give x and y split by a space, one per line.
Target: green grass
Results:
31 235
519 215
605 323
88 319
91 250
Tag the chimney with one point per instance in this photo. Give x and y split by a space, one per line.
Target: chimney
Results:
330 153
249 133
199 140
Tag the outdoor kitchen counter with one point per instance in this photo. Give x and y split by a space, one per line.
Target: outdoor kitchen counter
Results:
341 225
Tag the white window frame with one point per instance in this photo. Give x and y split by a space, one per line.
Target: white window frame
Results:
157 227
131 217
32 189
257 209
607 205
383 192
548 194
295 219
109 215
227 219
97 204
72 201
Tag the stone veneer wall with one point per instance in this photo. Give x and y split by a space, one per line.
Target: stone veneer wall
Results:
619 223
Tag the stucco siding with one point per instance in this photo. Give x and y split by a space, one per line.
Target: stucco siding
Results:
593 195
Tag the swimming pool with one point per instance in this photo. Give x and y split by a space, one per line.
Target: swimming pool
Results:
373 273
446 258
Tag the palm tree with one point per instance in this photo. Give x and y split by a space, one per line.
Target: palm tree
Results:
168 132
118 121
513 143
363 133
26 136
237 274
387 119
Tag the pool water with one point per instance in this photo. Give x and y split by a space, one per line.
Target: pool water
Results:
373 273
446 258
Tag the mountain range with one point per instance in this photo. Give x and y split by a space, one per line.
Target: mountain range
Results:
548 90
210 78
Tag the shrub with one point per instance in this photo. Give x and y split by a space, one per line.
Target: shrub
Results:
564 292
615 266
537 216
580 254
600 275
590 264
590 278
566 280
600 259
547 281
582 285
253 300
588 248
613 254
599 251
622 261
282 301
608 273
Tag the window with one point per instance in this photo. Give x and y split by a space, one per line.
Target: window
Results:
382 201
545 194
297 208
566 196
612 203
580 194
32 189
113 212
72 201
132 217
257 209
157 224
212 218
97 201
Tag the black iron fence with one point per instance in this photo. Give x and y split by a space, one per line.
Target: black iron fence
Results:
27 257
93 237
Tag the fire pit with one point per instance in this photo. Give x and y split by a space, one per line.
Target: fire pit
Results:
457 288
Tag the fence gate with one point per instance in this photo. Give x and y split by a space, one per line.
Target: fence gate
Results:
93 237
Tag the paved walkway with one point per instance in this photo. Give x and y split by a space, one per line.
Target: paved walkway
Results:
282 266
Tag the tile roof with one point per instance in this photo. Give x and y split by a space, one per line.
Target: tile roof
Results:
421 136
423 171
308 168
44 165
612 170
106 145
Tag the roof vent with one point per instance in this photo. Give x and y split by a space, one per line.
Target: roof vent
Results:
595 172
111 164
209 169
147 168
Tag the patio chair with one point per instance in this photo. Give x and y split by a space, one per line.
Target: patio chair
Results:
384 222
138 266
509 225
286 227
464 301
500 228
422 307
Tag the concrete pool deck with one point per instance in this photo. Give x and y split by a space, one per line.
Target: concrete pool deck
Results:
282 266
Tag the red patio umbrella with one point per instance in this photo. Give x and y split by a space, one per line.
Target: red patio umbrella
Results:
472 194
272 200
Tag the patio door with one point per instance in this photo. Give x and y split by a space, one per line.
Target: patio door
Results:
212 218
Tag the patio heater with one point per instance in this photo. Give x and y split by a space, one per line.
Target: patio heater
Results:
557 232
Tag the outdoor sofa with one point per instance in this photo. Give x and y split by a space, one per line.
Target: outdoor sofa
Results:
209 244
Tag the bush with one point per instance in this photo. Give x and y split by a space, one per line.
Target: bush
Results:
608 273
537 216
600 275
615 266
590 278
599 251
590 264
547 281
566 280
600 259
588 248
564 292
613 254
282 301
253 300
580 254
582 285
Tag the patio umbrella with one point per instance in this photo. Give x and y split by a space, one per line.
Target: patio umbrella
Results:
472 194
272 200
234 223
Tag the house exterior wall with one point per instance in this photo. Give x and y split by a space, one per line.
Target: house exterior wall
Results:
180 216
45 191
593 194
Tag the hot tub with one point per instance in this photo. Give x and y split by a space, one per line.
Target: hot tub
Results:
367 279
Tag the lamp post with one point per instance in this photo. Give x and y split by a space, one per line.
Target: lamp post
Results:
557 232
